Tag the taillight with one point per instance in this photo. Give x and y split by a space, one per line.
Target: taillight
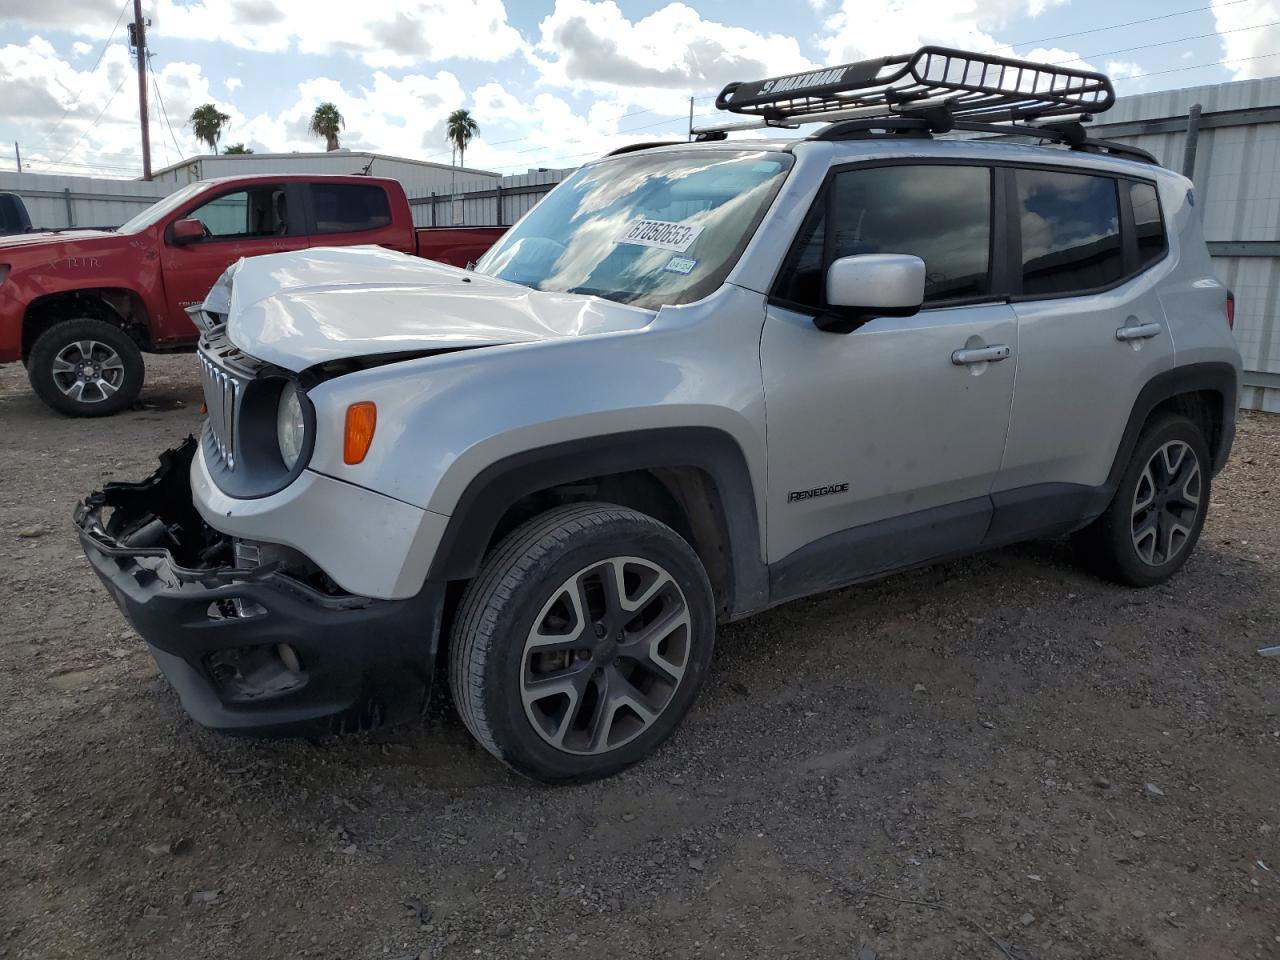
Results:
1231 311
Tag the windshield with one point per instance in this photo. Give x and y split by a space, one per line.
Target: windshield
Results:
647 229
157 210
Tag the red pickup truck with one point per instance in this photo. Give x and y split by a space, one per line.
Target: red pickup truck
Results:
80 307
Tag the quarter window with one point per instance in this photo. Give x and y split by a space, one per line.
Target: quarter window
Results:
1147 223
347 207
940 213
1070 232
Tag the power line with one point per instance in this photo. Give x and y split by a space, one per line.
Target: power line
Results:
80 93
163 109
1117 26
1165 43
1198 66
119 87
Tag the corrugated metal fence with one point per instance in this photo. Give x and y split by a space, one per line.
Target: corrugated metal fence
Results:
60 201
1235 165
484 205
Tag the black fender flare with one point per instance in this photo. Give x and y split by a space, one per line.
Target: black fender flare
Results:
1217 377
495 488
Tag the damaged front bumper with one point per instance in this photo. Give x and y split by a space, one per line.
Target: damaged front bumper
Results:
253 647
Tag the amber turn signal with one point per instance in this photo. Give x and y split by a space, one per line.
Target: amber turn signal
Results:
362 418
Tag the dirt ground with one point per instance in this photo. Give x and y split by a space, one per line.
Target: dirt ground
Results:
995 758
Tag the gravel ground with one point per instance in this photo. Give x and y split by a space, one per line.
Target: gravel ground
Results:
997 758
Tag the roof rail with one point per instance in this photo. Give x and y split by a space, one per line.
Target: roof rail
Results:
972 86
645 145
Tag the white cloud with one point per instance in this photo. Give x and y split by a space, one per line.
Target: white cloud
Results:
80 48
1249 48
592 45
232 84
855 32
390 33
89 17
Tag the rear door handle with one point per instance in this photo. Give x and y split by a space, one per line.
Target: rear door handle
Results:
1139 331
991 354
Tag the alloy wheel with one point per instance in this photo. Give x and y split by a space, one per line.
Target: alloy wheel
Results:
88 371
605 655
1166 503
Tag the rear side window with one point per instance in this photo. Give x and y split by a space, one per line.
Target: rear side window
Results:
940 213
347 207
1148 225
1070 232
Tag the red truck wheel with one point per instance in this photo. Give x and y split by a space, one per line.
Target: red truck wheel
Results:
86 368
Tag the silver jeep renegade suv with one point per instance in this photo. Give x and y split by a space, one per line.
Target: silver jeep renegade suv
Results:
696 381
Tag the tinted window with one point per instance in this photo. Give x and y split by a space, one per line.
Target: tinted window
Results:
344 207
257 212
941 214
1070 232
1147 223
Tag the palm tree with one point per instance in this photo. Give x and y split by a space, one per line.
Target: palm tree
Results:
460 128
207 122
326 122
238 148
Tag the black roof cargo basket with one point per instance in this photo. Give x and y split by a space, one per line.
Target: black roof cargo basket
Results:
971 86
936 90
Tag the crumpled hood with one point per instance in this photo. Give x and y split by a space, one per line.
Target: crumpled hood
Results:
296 310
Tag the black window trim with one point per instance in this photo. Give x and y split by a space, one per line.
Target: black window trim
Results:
309 206
292 195
1005 267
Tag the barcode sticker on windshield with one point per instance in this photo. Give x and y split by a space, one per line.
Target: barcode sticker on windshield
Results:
660 233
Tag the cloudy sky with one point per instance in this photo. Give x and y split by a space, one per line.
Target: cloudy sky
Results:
551 82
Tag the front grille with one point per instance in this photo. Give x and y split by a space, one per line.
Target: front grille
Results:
222 393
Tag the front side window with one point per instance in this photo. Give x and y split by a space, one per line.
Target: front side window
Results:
1148 225
244 214
1070 232
940 213
644 229
346 207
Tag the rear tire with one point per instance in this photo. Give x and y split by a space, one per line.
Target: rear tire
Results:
1158 511
86 368
582 642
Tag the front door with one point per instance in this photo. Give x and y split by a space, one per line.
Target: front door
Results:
883 444
239 222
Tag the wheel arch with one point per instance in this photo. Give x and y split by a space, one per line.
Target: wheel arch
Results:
695 479
119 306
1204 392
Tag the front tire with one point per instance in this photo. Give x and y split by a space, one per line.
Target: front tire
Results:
86 368
1159 508
582 642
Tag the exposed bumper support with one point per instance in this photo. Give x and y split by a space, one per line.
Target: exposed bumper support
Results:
252 649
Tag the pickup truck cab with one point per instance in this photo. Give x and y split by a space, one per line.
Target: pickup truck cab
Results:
696 381
79 307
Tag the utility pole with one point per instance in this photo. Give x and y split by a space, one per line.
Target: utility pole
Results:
138 38
17 155
691 118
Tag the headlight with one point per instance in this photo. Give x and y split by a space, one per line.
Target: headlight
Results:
291 428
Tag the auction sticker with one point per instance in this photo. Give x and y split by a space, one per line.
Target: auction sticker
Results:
681 265
660 233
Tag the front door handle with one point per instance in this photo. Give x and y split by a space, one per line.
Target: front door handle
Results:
1139 331
991 354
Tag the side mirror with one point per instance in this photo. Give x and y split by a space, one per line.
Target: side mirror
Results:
188 231
871 285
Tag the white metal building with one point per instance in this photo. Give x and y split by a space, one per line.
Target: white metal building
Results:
419 177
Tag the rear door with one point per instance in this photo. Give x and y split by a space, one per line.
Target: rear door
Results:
239 221
345 214
1091 327
883 448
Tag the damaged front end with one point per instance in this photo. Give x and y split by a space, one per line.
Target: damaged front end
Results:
250 638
